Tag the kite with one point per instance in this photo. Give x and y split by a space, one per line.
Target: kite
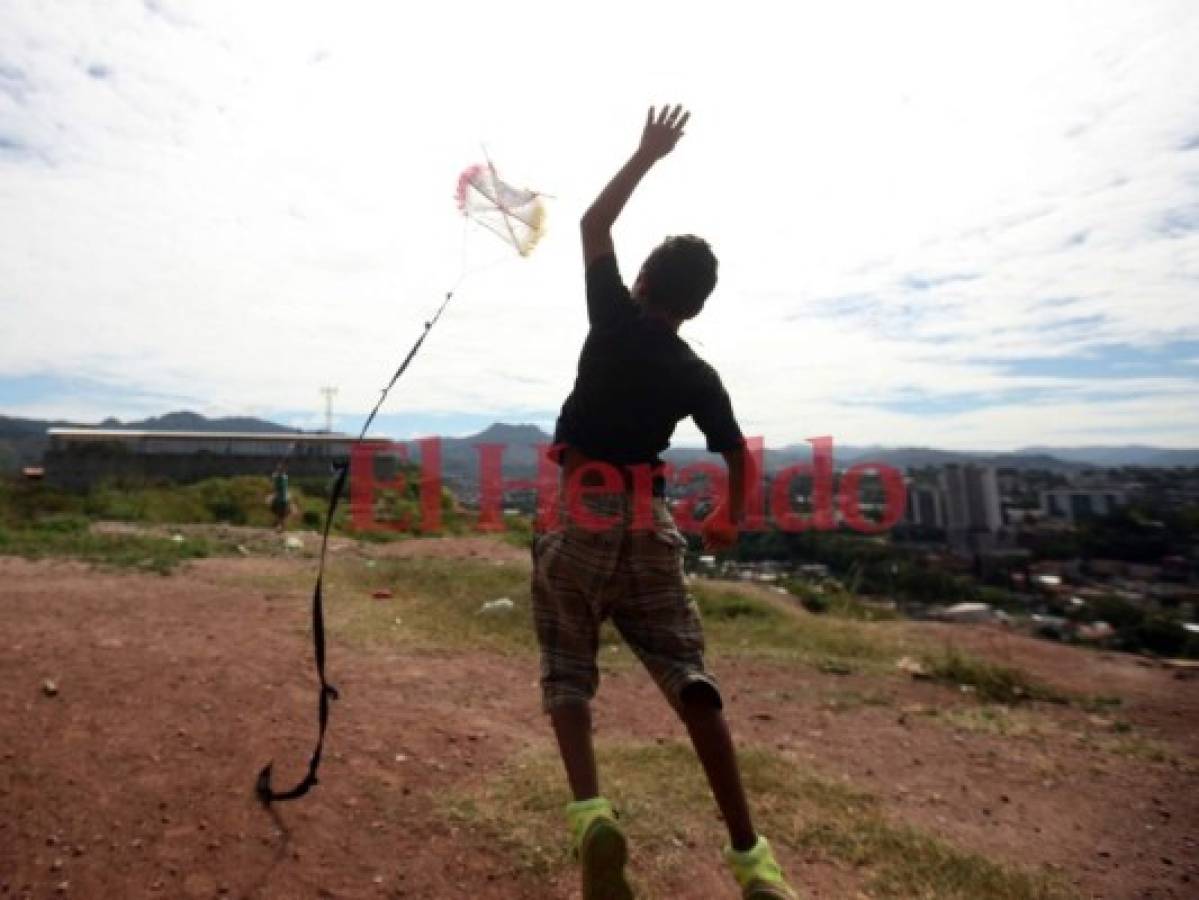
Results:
515 215
518 217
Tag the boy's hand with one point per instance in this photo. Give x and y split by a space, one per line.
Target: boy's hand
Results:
718 531
662 131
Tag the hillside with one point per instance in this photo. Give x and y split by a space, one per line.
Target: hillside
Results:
440 778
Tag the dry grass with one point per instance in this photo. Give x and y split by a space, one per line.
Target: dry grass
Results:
987 680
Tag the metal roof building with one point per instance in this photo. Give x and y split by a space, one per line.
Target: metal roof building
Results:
80 457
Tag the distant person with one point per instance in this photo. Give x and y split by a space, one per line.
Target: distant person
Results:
279 500
636 380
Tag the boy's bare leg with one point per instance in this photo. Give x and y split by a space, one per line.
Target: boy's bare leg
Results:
714 746
572 727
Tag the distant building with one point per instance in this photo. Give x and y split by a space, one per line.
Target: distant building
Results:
925 507
1073 504
77 458
973 514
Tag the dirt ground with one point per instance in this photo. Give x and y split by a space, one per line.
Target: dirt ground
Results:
135 778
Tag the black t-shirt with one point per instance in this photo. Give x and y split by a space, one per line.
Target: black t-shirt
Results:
637 379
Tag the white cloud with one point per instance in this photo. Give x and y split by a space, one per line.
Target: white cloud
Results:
242 202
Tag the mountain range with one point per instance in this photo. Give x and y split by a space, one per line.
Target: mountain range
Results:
23 441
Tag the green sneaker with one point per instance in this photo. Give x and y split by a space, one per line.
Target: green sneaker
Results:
758 874
601 848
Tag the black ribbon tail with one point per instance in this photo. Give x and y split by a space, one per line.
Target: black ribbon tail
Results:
262 788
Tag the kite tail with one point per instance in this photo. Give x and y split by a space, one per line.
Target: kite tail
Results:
327 692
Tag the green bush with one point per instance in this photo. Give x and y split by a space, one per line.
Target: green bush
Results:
1162 637
23 502
62 523
1118 613
152 554
238 500
813 602
832 600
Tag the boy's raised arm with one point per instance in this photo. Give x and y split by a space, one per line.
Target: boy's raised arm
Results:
662 131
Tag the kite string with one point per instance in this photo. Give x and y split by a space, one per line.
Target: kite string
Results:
465 271
266 794
407 360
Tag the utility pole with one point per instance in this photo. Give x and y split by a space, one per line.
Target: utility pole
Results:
330 392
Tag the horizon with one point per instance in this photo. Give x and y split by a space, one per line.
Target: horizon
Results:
1030 449
975 229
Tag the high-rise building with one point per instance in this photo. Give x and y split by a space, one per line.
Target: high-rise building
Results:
973 514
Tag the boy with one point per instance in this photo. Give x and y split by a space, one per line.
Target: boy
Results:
637 379
279 500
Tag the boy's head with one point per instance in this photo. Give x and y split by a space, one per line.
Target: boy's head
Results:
677 277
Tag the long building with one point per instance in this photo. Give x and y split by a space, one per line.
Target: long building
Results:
77 458
1074 504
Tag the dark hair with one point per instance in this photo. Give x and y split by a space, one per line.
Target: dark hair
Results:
678 275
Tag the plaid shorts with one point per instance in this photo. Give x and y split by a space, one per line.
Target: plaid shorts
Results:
633 576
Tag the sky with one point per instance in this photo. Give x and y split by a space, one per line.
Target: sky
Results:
964 225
